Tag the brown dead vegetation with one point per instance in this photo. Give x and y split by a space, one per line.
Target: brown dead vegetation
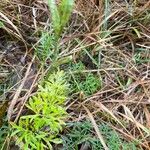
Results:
128 25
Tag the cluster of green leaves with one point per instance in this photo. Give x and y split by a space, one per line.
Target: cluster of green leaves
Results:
60 14
45 51
81 134
1 24
40 129
4 131
45 48
88 83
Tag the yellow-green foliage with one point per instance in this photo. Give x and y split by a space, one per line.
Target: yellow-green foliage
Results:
38 130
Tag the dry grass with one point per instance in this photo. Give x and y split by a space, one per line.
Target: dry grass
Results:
118 32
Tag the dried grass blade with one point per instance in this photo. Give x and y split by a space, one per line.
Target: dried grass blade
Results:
96 128
9 22
147 116
108 111
14 100
132 119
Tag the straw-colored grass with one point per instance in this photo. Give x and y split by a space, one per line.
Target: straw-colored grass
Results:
109 40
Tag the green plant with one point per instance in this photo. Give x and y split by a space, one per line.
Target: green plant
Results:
48 47
4 131
1 24
91 84
40 129
60 14
88 83
78 134
82 134
77 66
45 48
